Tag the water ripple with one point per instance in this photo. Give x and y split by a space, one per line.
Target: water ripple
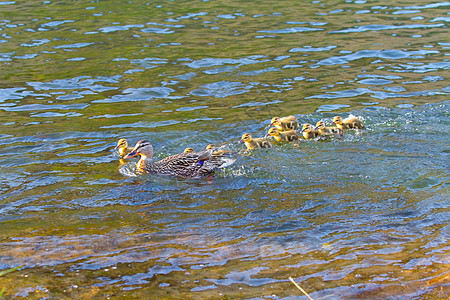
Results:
115 28
140 94
222 89
33 107
374 27
384 53
291 30
212 62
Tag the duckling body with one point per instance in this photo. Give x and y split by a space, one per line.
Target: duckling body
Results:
283 136
348 123
308 132
218 152
122 147
185 165
285 123
328 131
255 143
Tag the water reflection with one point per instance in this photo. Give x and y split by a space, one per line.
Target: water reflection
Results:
363 216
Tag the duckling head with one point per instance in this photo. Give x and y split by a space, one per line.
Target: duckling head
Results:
337 120
273 132
275 121
122 143
306 128
144 148
188 150
246 137
320 125
210 146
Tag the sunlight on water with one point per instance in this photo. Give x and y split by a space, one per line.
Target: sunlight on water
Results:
362 216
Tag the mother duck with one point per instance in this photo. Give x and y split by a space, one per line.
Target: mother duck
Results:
185 165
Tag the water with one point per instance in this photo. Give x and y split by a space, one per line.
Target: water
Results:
362 217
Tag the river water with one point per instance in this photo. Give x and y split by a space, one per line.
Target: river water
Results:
365 216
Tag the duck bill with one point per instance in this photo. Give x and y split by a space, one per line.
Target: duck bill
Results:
131 154
117 147
332 123
316 128
270 125
267 135
241 141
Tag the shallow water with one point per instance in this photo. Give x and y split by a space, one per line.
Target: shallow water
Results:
360 217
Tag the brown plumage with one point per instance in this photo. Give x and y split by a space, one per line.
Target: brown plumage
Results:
253 144
348 123
284 136
185 165
328 131
285 123
308 132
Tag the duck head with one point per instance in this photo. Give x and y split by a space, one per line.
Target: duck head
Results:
188 150
210 146
144 148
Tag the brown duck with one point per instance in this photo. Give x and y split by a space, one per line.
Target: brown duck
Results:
185 165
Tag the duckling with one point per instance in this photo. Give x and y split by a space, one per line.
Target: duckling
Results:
185 165
308 132
218 152
253 144
285 123
284 136
348 123
189 150
328 131
122 146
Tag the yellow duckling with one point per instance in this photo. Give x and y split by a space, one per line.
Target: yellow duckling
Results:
308 132
218 152
284 136
328 131
188 150
253 144
348 123
285 123
122 146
